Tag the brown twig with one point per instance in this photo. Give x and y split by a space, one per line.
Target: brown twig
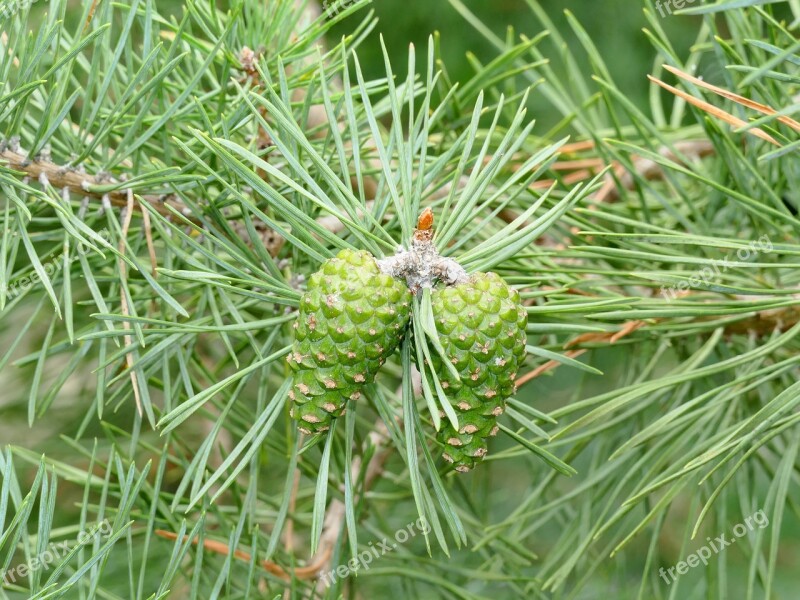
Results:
83 183
761 323
765 322
224 549
335 515
620 178
595 338
4 42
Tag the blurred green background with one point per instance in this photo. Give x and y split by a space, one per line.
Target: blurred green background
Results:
615 27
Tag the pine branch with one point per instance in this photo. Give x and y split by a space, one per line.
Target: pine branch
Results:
645 168
333 524
84 184
694 420
78 182
761 324
766 322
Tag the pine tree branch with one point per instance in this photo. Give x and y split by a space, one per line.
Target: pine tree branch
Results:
333 524
335 515
765 322
762 323
716 112
79 182
649 169
739 99
583 169
82 183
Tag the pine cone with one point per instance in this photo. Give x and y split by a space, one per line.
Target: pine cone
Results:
351 318
481 325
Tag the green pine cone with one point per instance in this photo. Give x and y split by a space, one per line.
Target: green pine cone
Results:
351 318
481 325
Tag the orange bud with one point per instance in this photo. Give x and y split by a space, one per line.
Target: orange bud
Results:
425 221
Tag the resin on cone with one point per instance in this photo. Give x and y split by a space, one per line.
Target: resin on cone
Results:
351 318
481 325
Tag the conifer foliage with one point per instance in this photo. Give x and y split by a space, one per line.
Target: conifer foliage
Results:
270 327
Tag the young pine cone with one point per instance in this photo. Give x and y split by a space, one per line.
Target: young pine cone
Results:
351 318
481 325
